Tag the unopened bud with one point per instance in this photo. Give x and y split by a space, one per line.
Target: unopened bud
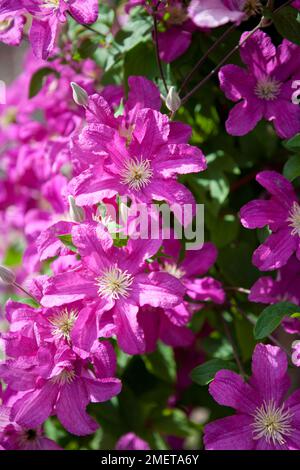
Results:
6 275
173 102
80 96
77 214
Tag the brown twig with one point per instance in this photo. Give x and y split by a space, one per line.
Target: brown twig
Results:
220 64
205 56
230 53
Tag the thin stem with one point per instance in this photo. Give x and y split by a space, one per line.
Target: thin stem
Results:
230 53
223 61
159 64
284 5
90 28
25 291
205 56
234 349
87 26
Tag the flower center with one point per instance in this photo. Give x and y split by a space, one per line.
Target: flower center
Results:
114 283
65 377
174 270
136 173
272 423
26 436
252 7
267 88
294 219
51 4
63 324
5 24
31 434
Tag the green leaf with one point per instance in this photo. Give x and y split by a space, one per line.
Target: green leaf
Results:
173 422
120 241
271 317
287 24
206 372
136 31
236 266
263 234
140 61
214 178
38 79
13 255
293 143
244 336
87 48
67 241
28 301
130 409
291 169
161 363
223 229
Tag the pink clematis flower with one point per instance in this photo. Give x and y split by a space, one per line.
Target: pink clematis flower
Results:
15 437
213 13
115 284
175 34
170 324
177 37
191 270
31 328
131 441
285 287
141 153
56 381
264 89
281 213
11 29
47 16
264 419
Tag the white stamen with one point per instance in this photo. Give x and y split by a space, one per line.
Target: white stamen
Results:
136 173
114 283
174 270
5 24
294 219
64 378
252 7
63 323
51 4
267 88
271 423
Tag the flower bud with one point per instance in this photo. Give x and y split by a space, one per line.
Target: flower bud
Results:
6 275
77 214
173 101
80 96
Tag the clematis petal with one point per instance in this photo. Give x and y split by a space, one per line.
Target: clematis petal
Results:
70 409
231 433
